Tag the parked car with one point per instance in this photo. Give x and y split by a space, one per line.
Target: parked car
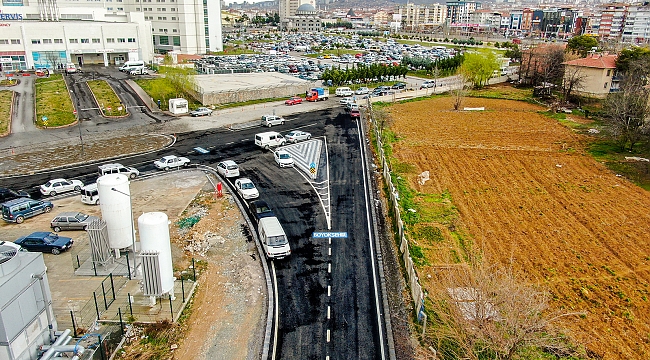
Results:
269 139
8 194
293 101
296 135
202 111
398 86
71 221
428 84
362 91
118 168
346 100
260 209
270 120
355 113
18 210
70 68
45 242
58 186
171 161
228 168
283 158
246 188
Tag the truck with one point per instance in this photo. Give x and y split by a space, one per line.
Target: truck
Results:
316 94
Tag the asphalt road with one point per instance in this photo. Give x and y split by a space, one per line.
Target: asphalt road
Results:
304 277
23 112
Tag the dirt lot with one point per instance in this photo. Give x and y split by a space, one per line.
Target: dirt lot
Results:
526 193
228 312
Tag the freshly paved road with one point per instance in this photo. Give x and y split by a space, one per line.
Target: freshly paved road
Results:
23 114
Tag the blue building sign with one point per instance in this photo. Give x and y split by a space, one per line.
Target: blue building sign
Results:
10 16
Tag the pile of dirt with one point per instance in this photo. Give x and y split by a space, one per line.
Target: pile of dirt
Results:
527 195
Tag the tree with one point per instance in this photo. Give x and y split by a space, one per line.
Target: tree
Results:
574 79
630 55
179 79
542 65
581 44
628 110
478 68
460 86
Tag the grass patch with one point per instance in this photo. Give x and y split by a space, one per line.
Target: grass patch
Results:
5 109
160 89
8 82
53 102
610 153
106 98
503 92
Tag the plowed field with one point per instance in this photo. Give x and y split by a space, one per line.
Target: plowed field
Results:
527 193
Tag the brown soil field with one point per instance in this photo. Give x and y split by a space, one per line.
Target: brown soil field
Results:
527 195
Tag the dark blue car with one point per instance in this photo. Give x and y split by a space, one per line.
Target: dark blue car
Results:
260 209
45 242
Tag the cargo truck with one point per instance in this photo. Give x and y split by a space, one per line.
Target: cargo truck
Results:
316 94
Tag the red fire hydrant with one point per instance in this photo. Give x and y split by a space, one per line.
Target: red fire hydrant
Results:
219 189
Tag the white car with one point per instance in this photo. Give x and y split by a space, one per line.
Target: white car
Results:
346 100
228 168
171 161
246 188
362 91
296 135
58 186
283 158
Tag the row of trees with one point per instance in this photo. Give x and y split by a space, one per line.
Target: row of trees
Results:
267 19
364 73
445 66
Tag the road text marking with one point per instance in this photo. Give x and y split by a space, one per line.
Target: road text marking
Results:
322 235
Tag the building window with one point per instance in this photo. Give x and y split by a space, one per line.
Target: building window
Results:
157 9
36 41
4 41
121 40
173 17
131 40
172 9
15 41
177 40
120 9
73 41
164 40
110 40
85 41
96 41
175 30
58 41
609 72
109 8
605 87
138 9
164 9
47 41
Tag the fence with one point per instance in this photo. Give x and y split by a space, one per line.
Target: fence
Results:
103 297
413 281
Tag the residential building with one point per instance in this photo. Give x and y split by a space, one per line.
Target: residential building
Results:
417 17
598 72
288 8
458 11
637 25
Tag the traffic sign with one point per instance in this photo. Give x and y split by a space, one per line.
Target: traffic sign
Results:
312 170
74 111
312 165
322 235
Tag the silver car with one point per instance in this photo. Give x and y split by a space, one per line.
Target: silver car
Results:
202 111
71 221
297 135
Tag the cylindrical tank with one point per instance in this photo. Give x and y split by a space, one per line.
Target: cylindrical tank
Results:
115 203
154 236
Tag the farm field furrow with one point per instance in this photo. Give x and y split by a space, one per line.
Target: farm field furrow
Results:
529 197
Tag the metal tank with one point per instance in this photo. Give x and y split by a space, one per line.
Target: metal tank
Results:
153 228
115 203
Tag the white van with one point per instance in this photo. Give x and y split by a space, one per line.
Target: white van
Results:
273 239
132 65
89 194
269 139
344 91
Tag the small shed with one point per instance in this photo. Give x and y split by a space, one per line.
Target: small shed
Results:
178 106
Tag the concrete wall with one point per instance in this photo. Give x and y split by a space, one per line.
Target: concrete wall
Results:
246 94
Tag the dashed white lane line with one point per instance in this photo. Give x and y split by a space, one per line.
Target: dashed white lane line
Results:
328 335
328 313
329 251
329 268
329 290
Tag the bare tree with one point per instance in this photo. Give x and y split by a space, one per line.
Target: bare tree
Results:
459 89
53 58
574 79
542 65
628 109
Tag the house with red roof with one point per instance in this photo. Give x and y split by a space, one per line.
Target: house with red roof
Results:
598 74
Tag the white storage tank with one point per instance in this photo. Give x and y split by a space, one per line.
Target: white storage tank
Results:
116 209
154 237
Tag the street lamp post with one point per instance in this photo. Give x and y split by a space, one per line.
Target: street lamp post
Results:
76 115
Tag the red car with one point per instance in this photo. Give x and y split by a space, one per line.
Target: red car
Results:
294 100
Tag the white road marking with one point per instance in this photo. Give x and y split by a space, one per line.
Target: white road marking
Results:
329 290
328 335
329 251
329 267
328 312
232 142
